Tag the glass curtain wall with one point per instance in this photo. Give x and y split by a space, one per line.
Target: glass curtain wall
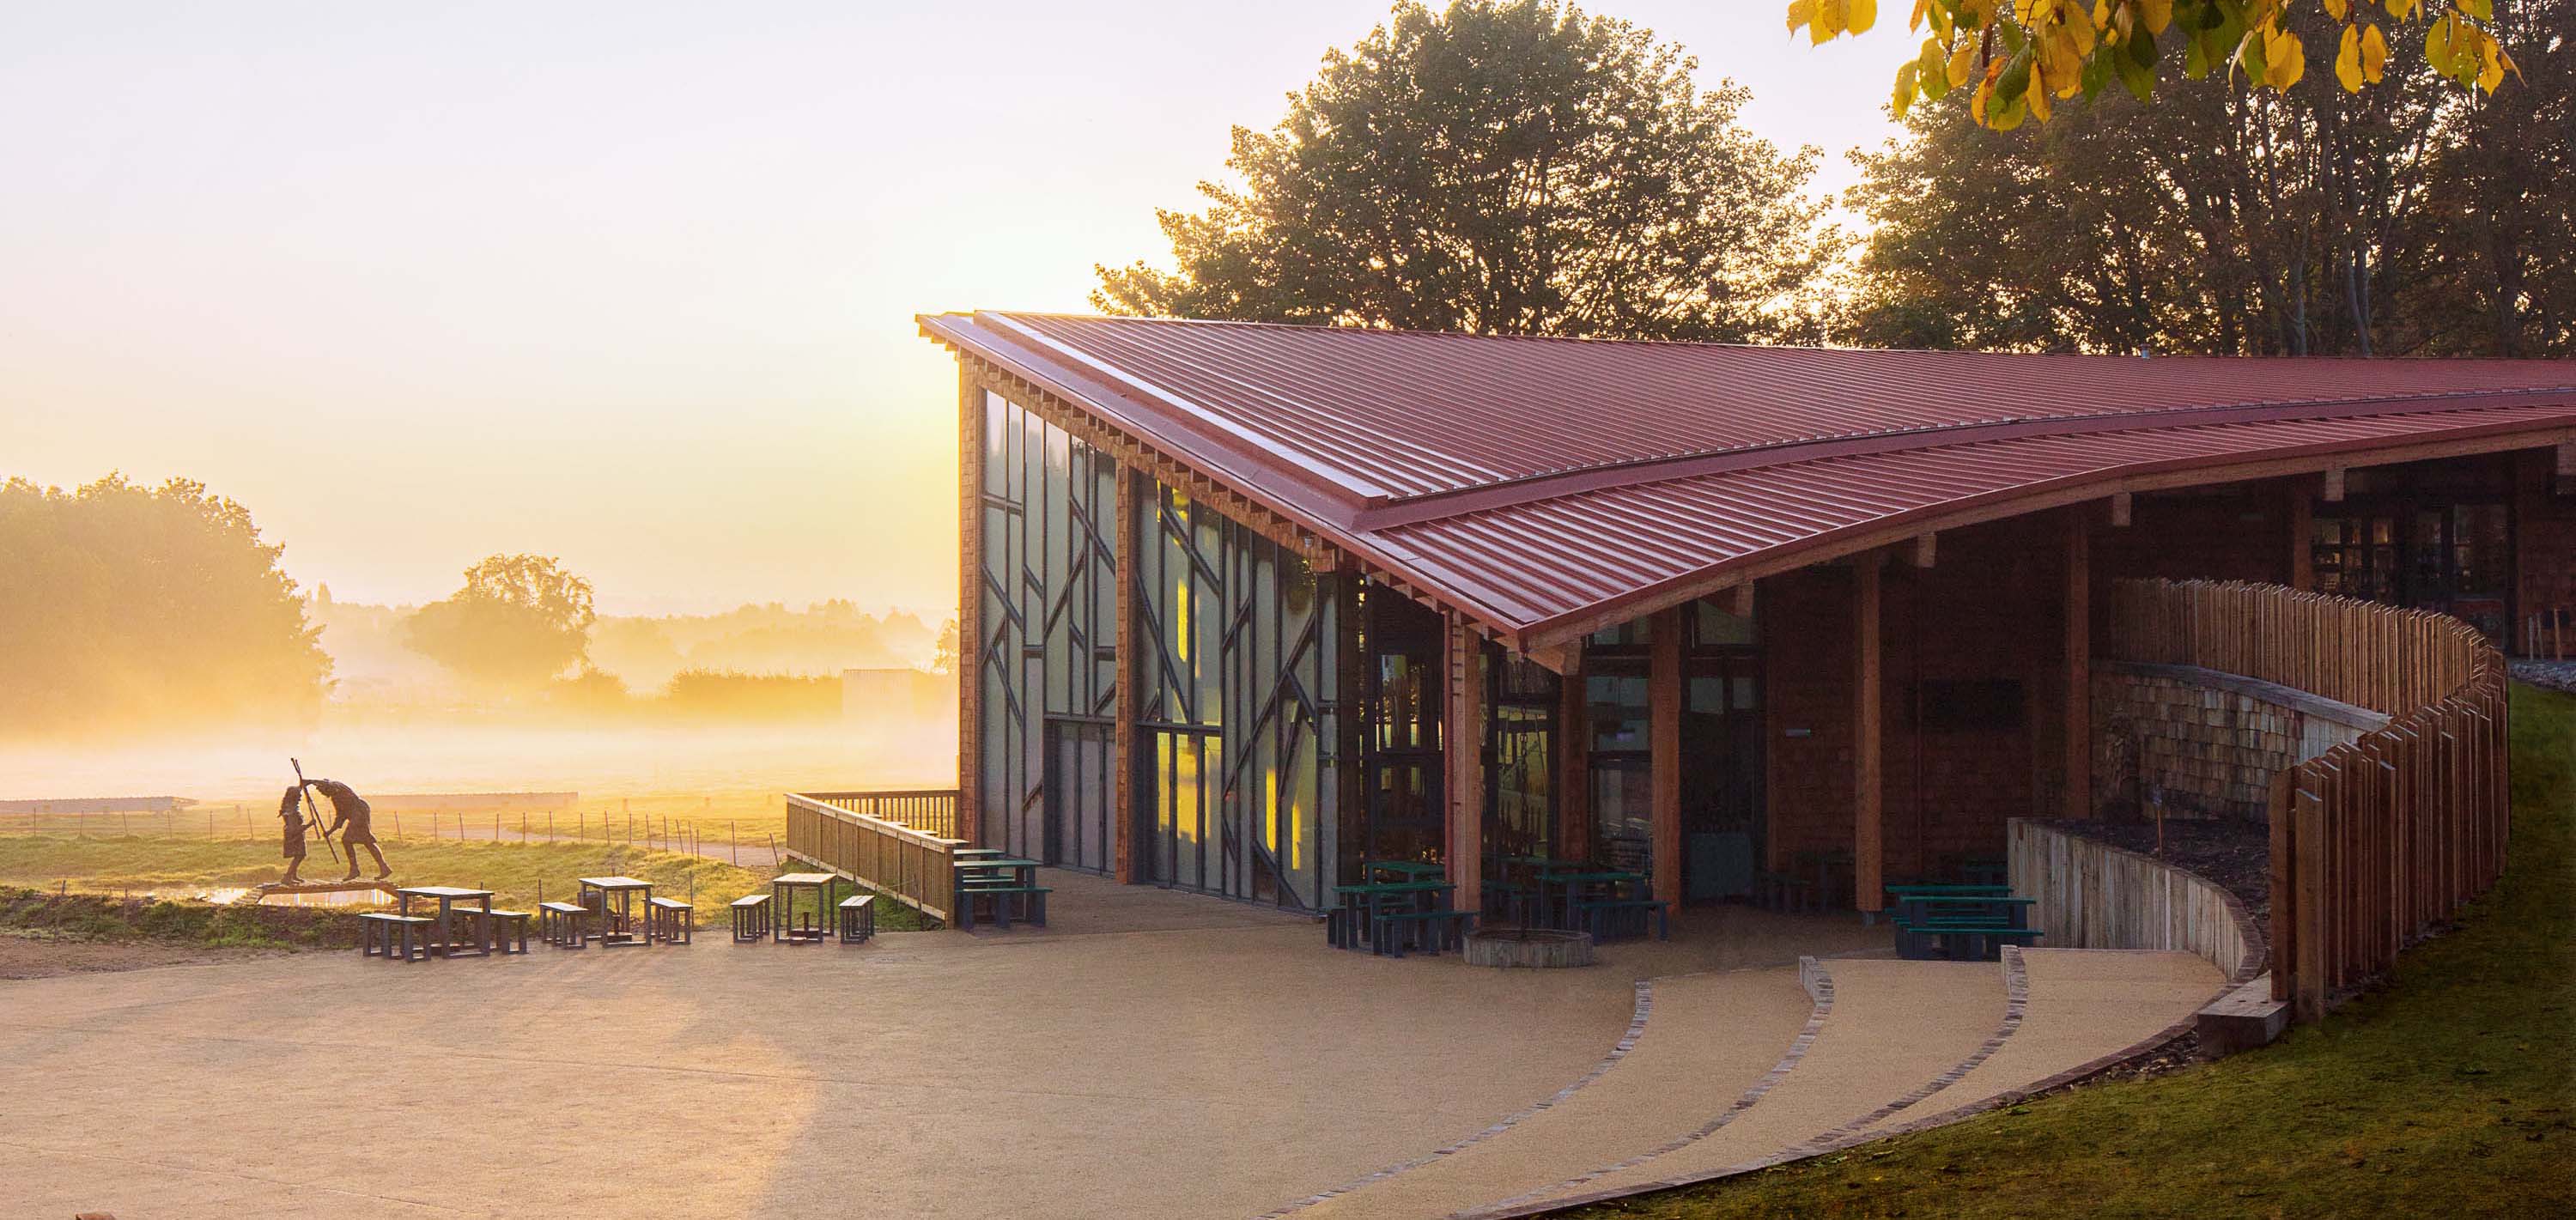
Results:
1401 810
1520 756
1721 788
1048 666
1619 716
1236 711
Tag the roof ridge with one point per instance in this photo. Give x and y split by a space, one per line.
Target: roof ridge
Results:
1813 349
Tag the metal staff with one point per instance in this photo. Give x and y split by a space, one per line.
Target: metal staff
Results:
314 810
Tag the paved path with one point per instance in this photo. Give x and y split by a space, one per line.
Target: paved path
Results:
1227 1064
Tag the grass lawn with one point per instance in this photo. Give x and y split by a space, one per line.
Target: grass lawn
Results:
2449 1093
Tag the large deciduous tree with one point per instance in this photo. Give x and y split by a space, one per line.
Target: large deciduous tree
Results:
123 606
1500 167
2409 219
519 621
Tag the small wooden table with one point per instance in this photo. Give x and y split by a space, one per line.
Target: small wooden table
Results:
619 926
443 942
782 897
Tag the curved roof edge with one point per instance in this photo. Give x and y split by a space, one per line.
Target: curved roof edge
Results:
1520 566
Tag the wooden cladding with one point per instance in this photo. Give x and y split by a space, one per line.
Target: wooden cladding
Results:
2384 658
2374 842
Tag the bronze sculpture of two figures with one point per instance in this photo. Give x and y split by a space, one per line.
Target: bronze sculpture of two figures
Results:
350 820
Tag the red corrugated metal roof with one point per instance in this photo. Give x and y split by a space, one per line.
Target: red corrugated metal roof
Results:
1538 483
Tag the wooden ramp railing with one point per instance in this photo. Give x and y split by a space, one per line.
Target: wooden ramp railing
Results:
2376 841
859 836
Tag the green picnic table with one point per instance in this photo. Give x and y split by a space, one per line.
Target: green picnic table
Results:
1572 883
1349 925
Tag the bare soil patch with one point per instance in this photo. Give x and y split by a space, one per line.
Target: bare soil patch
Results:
27 954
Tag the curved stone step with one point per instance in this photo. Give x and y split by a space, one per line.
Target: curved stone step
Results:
1707 1039
2079 1005
1895 1028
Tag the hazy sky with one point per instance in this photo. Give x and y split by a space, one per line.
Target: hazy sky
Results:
630 283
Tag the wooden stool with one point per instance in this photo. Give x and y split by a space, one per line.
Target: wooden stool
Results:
750 918
509 931
858 918
669 920
559 924
396 937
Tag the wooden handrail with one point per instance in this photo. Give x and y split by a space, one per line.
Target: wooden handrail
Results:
2374 842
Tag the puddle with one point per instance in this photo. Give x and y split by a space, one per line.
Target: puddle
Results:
334 898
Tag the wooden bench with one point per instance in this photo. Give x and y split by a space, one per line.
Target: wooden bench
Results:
1613 918
1431 931
1031 899
750 918
669 921
1961 940
858 918
394 937
509 931
560 924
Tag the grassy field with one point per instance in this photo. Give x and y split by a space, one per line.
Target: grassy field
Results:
705 819
177 867
2449 1093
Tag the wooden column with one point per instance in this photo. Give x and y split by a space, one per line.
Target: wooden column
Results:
1573 767
1463 752
1868 884
1122 736
970 605
2303 574
2079 667
1664 739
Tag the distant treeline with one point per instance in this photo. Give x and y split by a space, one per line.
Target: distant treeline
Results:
125 606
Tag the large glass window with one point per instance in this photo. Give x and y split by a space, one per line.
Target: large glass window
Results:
1047 669
1238 688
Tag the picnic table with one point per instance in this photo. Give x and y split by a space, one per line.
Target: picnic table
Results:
1571 885
1006 879
1977 923
443 941
1402 870
1351 925
783 890
614 898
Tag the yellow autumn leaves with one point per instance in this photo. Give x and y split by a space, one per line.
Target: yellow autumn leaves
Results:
2023 55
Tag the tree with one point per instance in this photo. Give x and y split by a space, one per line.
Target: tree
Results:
520 621
1504 167
2016 55
125 606
2303 222
943 657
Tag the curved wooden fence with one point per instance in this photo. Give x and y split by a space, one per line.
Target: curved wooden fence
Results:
2374 842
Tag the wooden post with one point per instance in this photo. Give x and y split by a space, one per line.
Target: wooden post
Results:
1868 891
1664 758
2079 668
1573 766
1122 736
970 604
1463 751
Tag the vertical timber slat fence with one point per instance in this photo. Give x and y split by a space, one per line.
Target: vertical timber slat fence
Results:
896 843
2375 842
